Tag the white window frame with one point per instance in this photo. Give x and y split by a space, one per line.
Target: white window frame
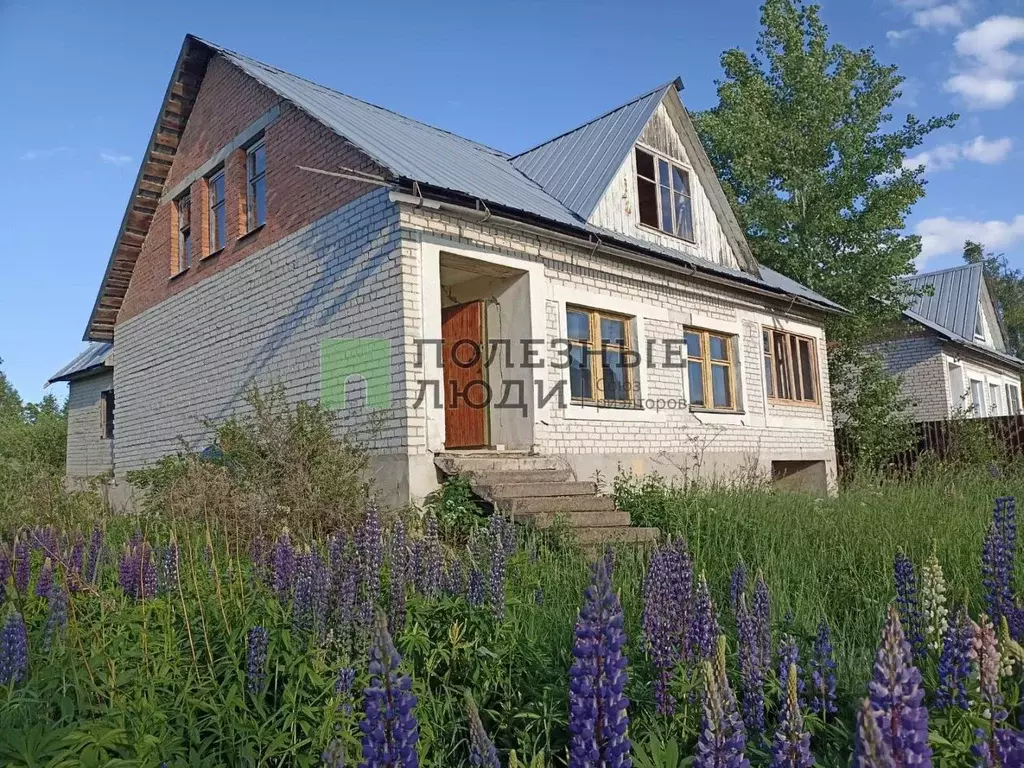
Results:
251 179
977 405
1012 392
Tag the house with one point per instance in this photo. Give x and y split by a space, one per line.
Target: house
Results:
582 306
949 350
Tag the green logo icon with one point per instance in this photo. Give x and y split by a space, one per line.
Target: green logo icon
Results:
366 359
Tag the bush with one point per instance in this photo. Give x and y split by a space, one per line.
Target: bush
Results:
276 466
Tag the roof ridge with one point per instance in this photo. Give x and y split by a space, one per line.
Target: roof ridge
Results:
943 271
221 49
677 82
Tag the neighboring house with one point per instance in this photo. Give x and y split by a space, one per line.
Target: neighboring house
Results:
271 214
949 349
90 378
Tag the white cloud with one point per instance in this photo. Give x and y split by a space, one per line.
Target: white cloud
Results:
43 154
981 150
940 17
115 158
989 70
895 35
945 156
941 235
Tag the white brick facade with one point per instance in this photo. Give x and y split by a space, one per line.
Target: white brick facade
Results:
89 453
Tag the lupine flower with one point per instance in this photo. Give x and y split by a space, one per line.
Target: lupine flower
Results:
482 753
343 688
399 578
761 611
257 670
416 558
334 755
598 707
933 602
666 620
149 576
1005 748
751 669
13 649
453 579
703 624
369 545
345 600
283 565
791 747
722 740
896 697
737 586
955 662
57 614
496 584
907 599
872 750
309 606
390 730
75 564
1010 652
476 589
22 564
789 657
998 556
823 673
986 651
45 579
95 554
169 565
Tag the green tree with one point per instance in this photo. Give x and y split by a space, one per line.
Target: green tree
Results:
34 432
1006 287
801 143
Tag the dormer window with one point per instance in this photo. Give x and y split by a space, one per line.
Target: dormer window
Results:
979 326
663 189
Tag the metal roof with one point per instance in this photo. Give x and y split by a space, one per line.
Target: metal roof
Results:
578 166
953 303
95 356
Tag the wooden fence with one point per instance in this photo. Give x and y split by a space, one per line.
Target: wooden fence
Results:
942 439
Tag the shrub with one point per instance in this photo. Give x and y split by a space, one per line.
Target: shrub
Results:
457 512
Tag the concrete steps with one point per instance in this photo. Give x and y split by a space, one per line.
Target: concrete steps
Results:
538 490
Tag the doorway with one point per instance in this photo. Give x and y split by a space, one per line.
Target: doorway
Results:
466 392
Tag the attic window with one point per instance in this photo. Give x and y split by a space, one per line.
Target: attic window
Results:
979 326
663 191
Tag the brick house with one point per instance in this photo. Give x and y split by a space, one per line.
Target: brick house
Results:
949 350
271 215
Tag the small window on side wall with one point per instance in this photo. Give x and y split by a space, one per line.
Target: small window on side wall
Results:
256 185
711 370
790 367
218 212
184 208
663 192
1012 400
107 414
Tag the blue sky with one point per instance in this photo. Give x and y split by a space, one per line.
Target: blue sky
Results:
83 82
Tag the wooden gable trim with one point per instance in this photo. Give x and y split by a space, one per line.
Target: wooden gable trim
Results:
179 98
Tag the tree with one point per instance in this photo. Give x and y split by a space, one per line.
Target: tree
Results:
799 141
34 432
1006 287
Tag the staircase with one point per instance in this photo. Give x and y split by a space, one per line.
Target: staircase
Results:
538 489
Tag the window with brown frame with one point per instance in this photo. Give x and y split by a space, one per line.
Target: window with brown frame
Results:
663 192
790 367
600 357
218 212
256 185
711 370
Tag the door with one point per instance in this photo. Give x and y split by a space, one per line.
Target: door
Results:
466 397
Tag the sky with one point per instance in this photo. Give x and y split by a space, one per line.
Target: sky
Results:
83 84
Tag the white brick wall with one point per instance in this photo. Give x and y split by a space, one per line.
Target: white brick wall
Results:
89 454
918 361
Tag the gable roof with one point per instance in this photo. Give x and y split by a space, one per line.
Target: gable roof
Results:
413 152
95 356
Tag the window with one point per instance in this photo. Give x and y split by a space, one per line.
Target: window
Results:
979 325
256 187
184 232
790 367
107 414
977 397
1012 400
710 370
663 192
993 399
599 357
218 212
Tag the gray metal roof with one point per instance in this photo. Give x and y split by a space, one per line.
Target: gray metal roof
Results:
95 356
578 166
953 303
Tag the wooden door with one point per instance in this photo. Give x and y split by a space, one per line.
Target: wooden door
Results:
465 392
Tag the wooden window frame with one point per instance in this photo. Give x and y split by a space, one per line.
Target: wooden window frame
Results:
213 204
251 179
183 262
672 164
795 382
107 406
1012 401
594 317
730 364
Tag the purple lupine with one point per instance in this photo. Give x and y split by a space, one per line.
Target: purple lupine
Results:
789 657
761 610
751 668
256 672
871 751
453 579
998 556
1005 748
95 554
283 566
343 688
897 696
127 571
75 563
22 564
737 585
823 673
791 747
668 595
399 578
722 740
345 598
169 565
701 638
482 753
13 649
57 614
416 565
302 599
598 707
390 730
908 602
476 589
955 663
369 545
498 567
149 581
44 581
